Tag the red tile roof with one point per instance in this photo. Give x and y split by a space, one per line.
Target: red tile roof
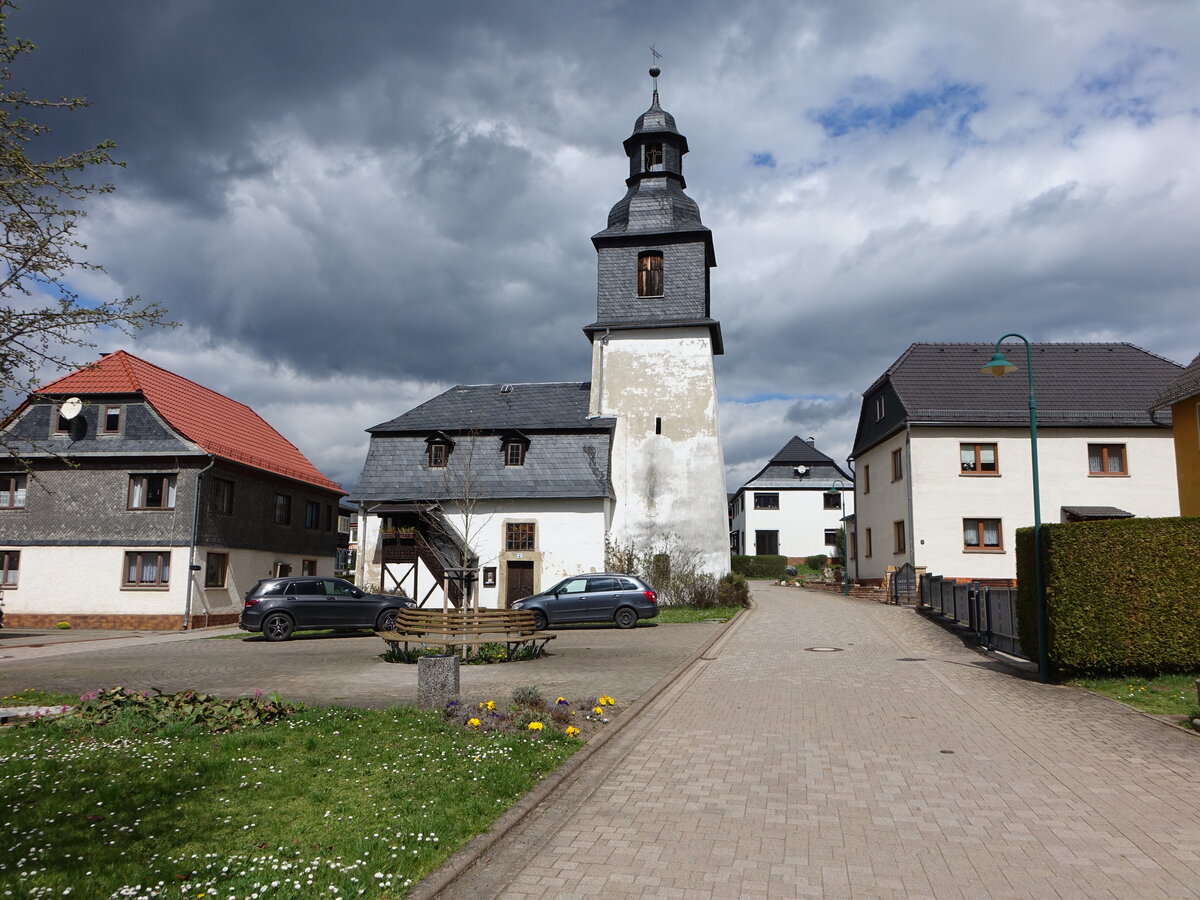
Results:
217 424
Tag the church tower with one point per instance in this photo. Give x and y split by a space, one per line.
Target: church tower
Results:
653 344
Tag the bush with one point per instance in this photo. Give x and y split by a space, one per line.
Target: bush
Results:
527 695
702 593
671 567
1122 595
817 561
774 567
733 590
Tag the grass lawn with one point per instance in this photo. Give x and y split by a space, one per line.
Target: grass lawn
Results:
329 802
1165 695
671 615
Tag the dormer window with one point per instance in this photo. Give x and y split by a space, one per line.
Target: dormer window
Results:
654 157
438 447
650 274
513 448
112 420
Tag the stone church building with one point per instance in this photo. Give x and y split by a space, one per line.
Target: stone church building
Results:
527 483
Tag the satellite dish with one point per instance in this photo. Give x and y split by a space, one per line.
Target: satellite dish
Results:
801 470
70 408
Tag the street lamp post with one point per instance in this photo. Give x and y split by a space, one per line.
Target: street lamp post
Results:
999 366
840 493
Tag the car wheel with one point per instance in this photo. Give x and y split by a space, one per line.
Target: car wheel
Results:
625 617
540 622
278 627
387 620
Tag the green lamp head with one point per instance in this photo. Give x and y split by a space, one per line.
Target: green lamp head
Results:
998 366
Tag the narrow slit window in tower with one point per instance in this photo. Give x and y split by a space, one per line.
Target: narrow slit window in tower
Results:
658 424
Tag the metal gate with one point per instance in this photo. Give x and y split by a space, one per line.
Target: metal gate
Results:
988 613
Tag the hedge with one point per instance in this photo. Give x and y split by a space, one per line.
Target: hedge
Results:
1122 595
759 566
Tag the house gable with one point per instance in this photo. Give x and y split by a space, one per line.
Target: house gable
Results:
566 454
1185 385
1076 385
216 424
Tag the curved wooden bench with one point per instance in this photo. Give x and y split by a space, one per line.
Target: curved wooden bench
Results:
452 629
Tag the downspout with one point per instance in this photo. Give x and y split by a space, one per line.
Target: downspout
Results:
187 603
912 537
854 495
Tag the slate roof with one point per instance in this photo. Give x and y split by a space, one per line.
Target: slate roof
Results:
1187 384
655 119
567 457
467 407
217 424
780 470
655 202
653 206
1075 384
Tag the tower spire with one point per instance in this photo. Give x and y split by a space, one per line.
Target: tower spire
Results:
655 71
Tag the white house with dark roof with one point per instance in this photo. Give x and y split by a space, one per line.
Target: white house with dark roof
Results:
794 506
529 483
943 472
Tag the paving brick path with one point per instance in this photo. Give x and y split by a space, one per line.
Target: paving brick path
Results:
905 765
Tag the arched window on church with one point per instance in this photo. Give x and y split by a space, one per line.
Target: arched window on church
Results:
650 274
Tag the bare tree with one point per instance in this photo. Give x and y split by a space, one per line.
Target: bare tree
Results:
465 497
42 317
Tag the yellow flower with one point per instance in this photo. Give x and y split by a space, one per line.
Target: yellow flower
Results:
607 700
488 704
598 709
535 726
472 723
572 731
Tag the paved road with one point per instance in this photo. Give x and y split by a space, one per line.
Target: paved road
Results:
339 669
903 765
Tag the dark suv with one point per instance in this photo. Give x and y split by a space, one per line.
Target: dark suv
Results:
594 597
279 606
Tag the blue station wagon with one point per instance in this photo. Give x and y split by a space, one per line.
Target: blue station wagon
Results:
594 597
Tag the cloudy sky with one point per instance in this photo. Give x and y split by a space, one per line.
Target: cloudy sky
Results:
350 207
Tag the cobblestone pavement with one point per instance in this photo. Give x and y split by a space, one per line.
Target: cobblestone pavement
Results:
340 669
904 765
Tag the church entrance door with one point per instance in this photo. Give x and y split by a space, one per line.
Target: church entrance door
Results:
519 581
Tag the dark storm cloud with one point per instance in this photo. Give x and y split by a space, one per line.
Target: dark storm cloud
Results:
350 207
